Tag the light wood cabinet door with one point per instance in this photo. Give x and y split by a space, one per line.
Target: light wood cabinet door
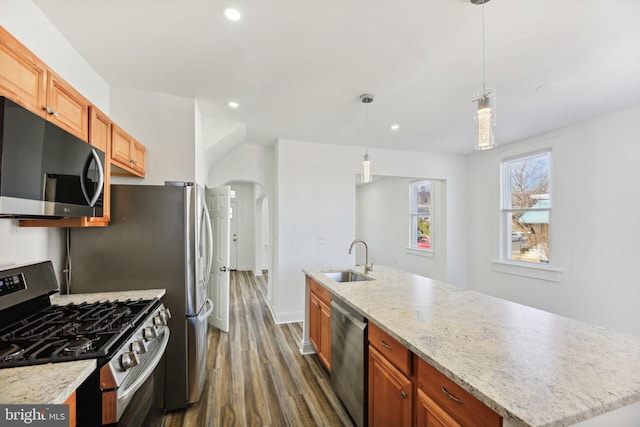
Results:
325 335
314 321
429 414
320 328
66 107
71 401
23 76
128 156
138 157
390 393
100 137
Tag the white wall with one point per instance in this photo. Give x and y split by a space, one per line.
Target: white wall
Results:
25 21
382 220
316 201
594 227
166 126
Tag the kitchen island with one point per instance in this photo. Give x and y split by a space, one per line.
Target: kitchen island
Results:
532 367
53 383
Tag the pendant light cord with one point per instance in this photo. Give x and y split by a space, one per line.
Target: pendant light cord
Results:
366 128
484 90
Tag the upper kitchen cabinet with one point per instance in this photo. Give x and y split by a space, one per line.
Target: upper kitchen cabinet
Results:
66 107
23 76
27 81
128 156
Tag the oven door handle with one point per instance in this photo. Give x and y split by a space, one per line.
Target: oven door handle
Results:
151 366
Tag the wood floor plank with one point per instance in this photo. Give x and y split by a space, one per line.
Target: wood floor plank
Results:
256 374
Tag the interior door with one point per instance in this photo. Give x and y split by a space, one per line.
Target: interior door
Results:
219 200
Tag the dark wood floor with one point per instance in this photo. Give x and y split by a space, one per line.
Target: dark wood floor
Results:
256 374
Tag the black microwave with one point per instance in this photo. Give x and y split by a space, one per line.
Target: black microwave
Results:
46 172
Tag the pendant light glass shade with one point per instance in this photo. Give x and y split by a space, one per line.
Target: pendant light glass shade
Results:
366 169
485 120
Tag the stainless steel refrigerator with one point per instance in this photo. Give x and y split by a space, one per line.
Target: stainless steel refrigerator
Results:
158 237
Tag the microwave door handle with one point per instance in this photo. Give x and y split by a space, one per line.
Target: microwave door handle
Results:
85 171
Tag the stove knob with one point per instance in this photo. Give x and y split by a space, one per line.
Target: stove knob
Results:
128 360
138 347
166 312
159 320
149 333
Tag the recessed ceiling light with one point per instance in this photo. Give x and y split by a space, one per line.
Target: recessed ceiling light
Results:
394 126
546 87
232 14
233 104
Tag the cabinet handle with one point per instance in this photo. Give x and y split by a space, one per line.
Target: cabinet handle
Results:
403 394
317 305
385 345
49 111
451 396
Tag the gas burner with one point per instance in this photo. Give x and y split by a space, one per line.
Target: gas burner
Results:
122 311
13 353
77 346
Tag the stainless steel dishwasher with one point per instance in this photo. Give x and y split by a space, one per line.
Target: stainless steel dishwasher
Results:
348 360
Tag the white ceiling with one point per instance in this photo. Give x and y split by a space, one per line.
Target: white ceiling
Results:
298 67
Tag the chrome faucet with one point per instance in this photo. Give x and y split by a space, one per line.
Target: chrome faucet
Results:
367 267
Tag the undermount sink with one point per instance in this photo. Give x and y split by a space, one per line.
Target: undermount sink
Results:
346 276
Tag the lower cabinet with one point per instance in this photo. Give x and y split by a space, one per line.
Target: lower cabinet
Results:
445 403
429 414
404 390
71 401
390 393
320 322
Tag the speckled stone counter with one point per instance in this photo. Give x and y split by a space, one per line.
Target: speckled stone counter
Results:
58 299
532 367
53 383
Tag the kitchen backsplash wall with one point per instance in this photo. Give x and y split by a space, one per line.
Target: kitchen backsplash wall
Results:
26 245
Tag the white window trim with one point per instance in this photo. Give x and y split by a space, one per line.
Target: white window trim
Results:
421 252
414 250
542 271
527 269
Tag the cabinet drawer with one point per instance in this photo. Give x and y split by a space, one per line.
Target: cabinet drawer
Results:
456 401
390 348
323 294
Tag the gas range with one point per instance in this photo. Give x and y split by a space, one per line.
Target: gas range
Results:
127 338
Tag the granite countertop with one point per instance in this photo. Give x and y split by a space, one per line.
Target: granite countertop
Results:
58 299
53 383
532 367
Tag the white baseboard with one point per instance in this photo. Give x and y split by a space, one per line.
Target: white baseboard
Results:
282 318
306 348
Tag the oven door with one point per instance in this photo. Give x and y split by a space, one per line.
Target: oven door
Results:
139 400
146 407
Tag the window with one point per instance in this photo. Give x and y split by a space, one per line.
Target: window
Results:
420 215
526 208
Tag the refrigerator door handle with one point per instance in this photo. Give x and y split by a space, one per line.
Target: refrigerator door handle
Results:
209 244
208 311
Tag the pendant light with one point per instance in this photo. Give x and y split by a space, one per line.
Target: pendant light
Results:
485 116
366 99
